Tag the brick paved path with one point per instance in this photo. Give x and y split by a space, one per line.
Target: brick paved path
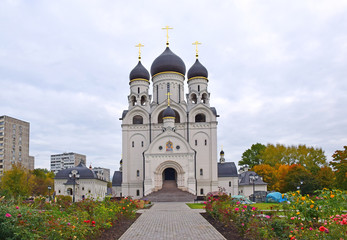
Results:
171 221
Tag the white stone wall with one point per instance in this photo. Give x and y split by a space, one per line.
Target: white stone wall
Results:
90 188
230 184
247 190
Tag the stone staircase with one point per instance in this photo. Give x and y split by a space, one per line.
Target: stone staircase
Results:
170 193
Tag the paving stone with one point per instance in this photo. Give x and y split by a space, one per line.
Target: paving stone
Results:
171 220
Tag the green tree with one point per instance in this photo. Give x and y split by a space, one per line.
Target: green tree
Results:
250 157
299 176
16 182
326 177
339 164
40 180
309 157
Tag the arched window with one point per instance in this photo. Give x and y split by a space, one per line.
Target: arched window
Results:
133 100
143 100
229 183
193 98
200 118
137 119
138 173
198 88
138 90
202 191
204 98
201 172
177 117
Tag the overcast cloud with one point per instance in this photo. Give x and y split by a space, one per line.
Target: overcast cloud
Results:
277 69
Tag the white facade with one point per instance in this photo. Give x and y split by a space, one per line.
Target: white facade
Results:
229 185
154 147
89 188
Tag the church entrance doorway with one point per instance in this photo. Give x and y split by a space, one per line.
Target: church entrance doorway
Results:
169 174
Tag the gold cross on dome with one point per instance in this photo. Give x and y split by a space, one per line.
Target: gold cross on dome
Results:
168 98
139 46
167 34
196 43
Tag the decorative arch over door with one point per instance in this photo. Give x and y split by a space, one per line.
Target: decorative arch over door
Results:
160 173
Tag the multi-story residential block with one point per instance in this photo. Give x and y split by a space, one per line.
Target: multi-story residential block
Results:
102 173
14 144
66 160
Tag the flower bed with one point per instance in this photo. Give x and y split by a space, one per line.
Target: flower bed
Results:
62 220
305 217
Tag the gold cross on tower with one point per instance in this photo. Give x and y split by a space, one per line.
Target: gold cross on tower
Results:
196 43
168 98
167 34
139 46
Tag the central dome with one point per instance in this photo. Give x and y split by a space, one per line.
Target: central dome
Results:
168 62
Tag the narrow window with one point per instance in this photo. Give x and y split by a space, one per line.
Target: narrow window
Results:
168 87
229 184
196 142
205 142
198 88
138 173
132 144
201 172
157 95
137 192
141 143
202 191
138 90
179 93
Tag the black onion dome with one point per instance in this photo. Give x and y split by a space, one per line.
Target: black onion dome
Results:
83 171
168 112
222 152
197 70
139 72
168 61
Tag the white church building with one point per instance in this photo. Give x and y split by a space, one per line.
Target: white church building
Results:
169 134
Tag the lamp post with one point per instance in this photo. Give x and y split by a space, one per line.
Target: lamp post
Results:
73 176
49 193
253 179
299 187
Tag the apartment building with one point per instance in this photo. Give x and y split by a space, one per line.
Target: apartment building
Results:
14 144
66 160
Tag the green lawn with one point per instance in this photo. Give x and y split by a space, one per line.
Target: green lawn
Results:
196 205
267 206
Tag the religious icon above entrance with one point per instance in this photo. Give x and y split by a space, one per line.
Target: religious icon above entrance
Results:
169 146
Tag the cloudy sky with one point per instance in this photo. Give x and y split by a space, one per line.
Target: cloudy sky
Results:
277 69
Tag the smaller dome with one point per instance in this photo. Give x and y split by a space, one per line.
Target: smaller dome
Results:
139 73
169 113
197 70
222 152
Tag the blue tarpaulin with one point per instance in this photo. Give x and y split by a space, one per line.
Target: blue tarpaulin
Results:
275 197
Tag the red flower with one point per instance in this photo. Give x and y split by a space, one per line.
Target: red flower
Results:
86 221
321 228
93 222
